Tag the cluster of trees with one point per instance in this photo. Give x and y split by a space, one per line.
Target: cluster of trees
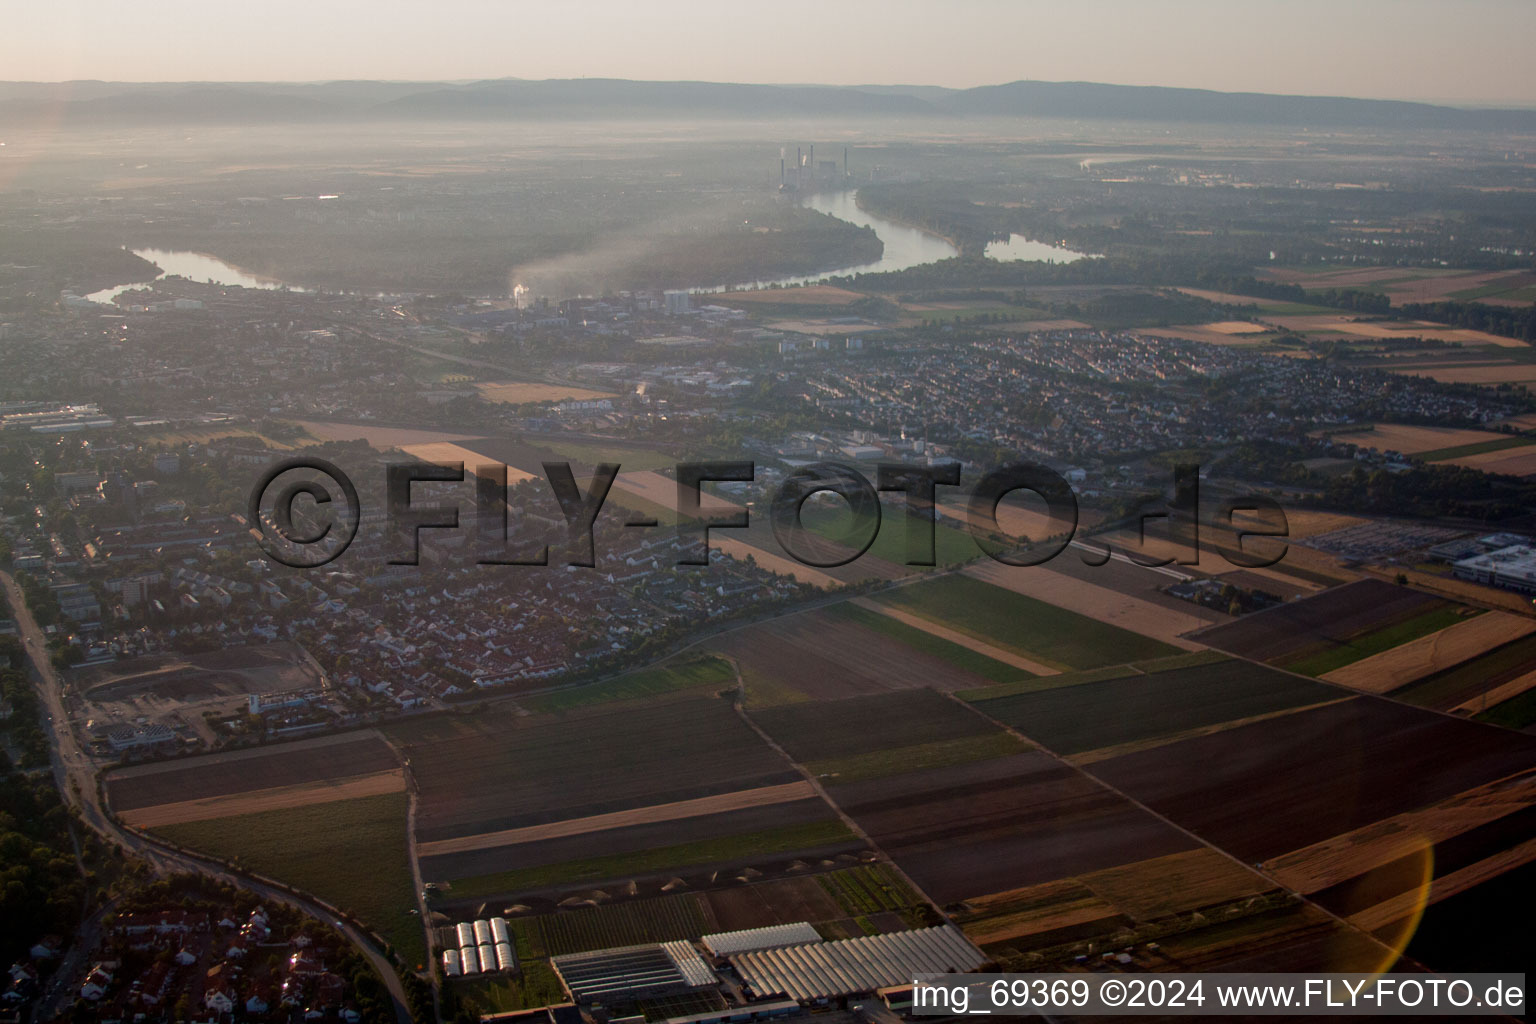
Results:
26 735
1505 321
41 887
1456 492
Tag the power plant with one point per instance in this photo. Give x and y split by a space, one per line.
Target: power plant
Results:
812 175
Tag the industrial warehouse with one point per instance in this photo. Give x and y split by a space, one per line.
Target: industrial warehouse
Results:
755 974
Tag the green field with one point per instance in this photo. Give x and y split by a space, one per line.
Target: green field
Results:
742 847
869 889
919 757
927 643
659 919
833 521
1036 684
1505 660
686 674
489 994
1132 709
1465 450
1516 713
350 853
1321 662
1031 628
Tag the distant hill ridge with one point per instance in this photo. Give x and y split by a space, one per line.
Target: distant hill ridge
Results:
89 102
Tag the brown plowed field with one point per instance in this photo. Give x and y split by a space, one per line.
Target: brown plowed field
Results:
1330 617
827 657
1264 789
991 826
217 775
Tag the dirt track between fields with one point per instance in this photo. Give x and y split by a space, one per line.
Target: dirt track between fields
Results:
956 637
276 799
763 796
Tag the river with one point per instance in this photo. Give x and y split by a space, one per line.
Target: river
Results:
904 247
194 266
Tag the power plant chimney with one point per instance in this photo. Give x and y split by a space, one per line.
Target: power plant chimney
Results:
845 161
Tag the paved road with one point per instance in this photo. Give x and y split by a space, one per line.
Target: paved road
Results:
74 772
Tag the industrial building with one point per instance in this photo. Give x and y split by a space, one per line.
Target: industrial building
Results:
632 972
821 971
1513 568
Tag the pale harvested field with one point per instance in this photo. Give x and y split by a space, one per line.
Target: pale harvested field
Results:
1015 520
379 437
1498 695
1304 522
651 486
1176 883
1212 562
1514 461
1342 278
1403 906
279 798
1404 284
737 548
442 452
1525 422
1209 334
1411 440
1223 298
1461 373
516 392
1049 325
1099 603
1344 856
1345 323
1461 590
1043 908
764 796
956 637
806 295
1381 673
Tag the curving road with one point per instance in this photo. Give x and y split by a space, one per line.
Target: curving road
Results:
74 773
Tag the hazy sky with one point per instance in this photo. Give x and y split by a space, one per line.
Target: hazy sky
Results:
1450 50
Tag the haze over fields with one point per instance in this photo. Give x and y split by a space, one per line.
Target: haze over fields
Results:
1118 451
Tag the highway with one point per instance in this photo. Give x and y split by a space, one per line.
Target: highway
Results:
74 773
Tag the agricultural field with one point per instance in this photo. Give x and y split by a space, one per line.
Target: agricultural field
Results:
812 731
1113 712
493 770
961 654
1106 901
1310 627
671 677
517 392
1023 625
1410 439
319 849
1283 783
1464 682
220 785
1445 628
835 522
721 852
991 826
1117 595
836 652
1431 654
518 805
